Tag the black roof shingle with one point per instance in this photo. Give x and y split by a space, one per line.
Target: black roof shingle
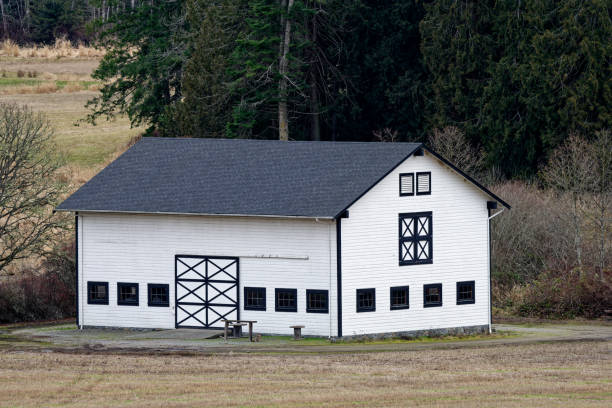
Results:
241 177
238 177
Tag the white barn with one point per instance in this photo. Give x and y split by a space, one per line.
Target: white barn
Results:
343 238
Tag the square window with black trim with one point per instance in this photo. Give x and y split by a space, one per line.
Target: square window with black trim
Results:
317 301
127 294
465 293
97 293
159 294
423 183
286 300
432 295
254 298
415 238
399 297
406 184
366 300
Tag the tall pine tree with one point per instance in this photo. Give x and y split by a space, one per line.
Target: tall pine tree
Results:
142 69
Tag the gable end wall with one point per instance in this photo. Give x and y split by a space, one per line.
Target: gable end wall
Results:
370 257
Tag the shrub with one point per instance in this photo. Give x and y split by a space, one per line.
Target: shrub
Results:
41 294
557 295
535 268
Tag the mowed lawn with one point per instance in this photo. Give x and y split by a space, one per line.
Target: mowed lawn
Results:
574 374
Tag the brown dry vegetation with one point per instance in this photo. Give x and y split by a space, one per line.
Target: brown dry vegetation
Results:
544 375
61 49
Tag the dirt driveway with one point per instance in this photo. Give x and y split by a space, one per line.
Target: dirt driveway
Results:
66 338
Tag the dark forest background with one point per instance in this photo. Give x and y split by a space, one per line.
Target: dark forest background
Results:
517 77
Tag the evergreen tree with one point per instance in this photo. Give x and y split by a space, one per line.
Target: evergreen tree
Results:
383 71
207 106
518 77
53 19
142 70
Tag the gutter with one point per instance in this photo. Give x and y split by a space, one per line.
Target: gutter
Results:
305 217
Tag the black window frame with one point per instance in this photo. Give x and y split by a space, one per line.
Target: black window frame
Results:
310 309
467 301
399 307
91 301
415 238
279 308
431 286
420 173
362 309
127 302
150 301
262 293
401 176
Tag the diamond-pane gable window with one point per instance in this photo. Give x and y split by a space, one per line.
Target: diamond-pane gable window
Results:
423 183
415 238
406 184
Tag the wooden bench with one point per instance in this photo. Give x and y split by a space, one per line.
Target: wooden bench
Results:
297 332
237 328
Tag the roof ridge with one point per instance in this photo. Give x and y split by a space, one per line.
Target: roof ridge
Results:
158 138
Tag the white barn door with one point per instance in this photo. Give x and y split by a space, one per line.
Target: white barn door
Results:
206 291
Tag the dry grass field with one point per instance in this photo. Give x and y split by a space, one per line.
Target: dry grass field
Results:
57 81
573 374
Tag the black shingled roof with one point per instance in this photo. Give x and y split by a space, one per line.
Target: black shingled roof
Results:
239 177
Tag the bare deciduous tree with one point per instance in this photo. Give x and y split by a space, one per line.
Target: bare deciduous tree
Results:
600 153
568 172
385 135
580 173
28 190
451 144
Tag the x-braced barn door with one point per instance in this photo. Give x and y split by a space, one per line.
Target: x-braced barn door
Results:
206 291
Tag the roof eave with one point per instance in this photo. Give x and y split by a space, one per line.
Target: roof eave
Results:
467 177
310 217
342 212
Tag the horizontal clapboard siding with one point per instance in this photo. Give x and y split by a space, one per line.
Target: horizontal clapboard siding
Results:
297 254
460 252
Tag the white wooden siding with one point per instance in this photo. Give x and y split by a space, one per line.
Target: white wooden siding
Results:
460 252
141 248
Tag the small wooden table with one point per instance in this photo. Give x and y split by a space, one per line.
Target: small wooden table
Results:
238 323
297 332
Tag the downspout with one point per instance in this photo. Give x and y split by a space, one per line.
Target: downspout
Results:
81 239
76 264
339 273
330 289
489 264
